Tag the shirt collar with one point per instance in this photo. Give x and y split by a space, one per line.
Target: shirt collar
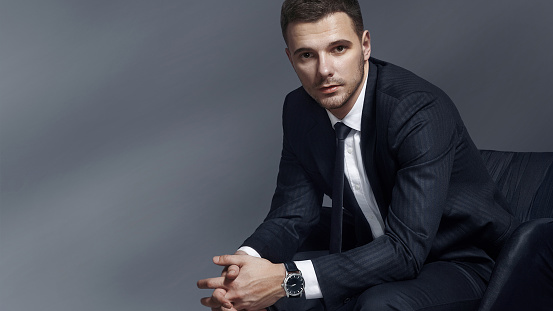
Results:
353 118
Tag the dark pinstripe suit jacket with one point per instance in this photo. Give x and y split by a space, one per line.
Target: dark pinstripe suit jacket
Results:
428 178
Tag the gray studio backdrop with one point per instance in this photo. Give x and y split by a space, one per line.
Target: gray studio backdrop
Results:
140 138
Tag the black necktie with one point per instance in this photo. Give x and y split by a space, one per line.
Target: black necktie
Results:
342 131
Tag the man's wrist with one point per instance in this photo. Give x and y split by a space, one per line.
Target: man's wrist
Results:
282 292
249 251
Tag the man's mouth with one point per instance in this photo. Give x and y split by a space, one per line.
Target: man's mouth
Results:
329 89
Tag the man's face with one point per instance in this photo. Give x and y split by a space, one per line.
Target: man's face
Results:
330 60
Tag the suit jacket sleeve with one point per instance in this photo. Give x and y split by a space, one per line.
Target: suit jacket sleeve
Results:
422 138
295 207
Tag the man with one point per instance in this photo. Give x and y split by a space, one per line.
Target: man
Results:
422 218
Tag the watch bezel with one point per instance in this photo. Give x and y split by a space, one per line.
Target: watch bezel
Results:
288 287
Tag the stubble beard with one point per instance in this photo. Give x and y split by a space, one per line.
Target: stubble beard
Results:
338 101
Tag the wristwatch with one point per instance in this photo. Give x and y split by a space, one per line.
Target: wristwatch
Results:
293 283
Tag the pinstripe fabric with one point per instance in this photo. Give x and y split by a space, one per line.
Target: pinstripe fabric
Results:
430 183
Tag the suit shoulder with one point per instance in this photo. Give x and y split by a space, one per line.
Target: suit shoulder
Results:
298 95
299 103
300 113
397 82
400 95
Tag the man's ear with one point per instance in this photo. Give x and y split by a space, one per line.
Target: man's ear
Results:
366 44
289 56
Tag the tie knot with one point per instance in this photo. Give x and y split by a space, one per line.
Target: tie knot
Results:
341 130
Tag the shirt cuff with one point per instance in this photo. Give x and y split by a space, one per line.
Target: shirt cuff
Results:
312 288
250 251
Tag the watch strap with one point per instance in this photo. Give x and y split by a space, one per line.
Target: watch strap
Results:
290 266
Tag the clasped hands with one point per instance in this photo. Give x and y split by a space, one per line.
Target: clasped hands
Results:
246 283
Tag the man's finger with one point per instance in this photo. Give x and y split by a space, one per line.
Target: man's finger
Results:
211 283
232 272
227 260
219 295
226 309
217 300
210 303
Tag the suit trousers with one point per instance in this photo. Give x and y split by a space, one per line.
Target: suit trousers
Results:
441 285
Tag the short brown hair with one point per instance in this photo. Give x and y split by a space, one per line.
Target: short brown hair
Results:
313 10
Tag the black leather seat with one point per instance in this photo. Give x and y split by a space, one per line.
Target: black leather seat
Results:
523 275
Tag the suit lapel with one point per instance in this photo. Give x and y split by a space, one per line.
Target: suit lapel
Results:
368 139
322 141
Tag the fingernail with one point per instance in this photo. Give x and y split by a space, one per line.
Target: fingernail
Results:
216 259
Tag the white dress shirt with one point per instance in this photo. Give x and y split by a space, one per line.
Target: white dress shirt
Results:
359 183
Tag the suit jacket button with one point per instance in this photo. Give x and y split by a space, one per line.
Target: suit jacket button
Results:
347 300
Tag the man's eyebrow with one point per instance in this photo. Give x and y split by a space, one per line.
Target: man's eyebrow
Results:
334 43
340 42
302 50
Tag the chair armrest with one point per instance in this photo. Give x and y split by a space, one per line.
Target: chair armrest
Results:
522 278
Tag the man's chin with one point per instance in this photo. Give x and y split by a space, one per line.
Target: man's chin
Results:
328 101
331 104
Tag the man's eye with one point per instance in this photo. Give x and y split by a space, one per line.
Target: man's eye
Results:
306 55
340 48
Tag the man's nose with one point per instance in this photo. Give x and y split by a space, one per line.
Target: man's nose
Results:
326 68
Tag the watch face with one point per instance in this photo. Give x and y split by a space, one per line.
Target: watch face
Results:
294 284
